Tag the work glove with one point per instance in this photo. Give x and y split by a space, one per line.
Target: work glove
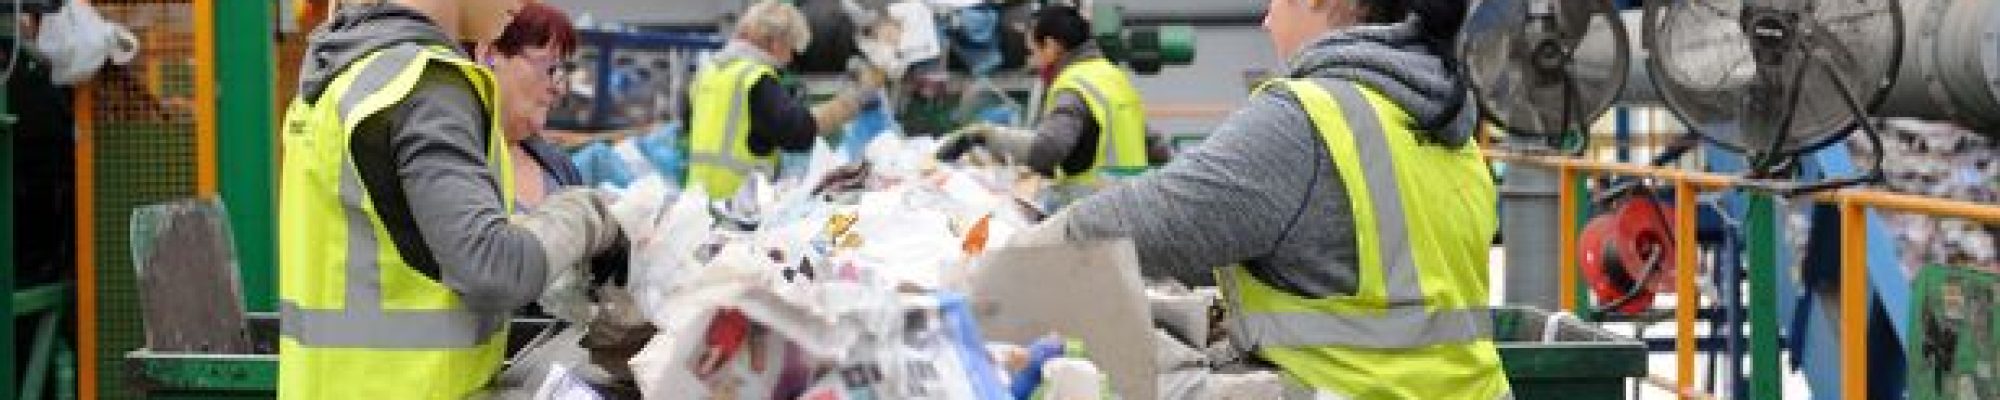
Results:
616 334
833 114
572 226
956 146
981 130
960 143
869 77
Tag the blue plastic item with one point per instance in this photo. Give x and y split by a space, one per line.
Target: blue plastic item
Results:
872 122
977 34
662 149
1030 376
982 373
600 166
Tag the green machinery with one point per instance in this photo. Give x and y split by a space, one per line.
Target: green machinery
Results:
1954 351
1146 49
38 312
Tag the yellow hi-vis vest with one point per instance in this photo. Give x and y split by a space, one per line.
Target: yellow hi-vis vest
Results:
719 156
1417 326
358 322
1118 110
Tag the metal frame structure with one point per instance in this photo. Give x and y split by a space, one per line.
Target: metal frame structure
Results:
235 158
1763 231
607 44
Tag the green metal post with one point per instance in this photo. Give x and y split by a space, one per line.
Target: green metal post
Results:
1580 188
7 373
1764 239
245 74
38 362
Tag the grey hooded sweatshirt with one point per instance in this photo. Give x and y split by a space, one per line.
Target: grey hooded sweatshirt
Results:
1261 190
424 164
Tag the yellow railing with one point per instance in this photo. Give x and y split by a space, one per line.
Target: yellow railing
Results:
1853 205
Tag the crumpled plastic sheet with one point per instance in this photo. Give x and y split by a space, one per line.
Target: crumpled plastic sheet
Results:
664 241
1941 160
935 355
864 311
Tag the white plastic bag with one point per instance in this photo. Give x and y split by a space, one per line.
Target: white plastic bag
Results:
77 41
663 245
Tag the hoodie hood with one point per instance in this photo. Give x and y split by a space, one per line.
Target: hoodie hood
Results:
1396 61
356 31
741 50
1088 51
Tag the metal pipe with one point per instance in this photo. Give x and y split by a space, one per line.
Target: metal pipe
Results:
1951 64
1763 230
1687 298
1873 198
1528 209
1566 232
1854 300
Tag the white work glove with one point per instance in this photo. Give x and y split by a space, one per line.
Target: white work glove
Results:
567 295
572 225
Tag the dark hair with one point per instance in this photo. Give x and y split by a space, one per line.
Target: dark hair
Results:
537 25
1440 19
1063 23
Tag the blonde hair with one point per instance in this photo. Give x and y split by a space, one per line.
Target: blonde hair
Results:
774 19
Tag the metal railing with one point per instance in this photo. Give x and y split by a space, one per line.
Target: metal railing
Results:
1854 296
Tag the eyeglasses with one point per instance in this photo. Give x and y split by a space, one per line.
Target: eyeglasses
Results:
550 65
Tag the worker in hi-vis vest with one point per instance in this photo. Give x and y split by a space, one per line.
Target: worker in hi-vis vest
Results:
1345 210
1092 121
400 256
740 116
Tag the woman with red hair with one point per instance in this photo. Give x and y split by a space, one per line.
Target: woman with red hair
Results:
527 58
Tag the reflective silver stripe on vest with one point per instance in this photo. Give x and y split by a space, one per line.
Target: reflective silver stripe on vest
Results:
1107 141
1385 193
386 330
364 323
375 76
1405 323
364 273
1396 328
725 157
724 162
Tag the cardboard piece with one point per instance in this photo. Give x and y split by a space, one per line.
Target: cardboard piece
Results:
1088 290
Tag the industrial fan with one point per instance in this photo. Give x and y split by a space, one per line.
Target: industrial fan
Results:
1544 69
1774 79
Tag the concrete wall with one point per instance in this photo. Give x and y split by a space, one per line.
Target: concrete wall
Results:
1222 54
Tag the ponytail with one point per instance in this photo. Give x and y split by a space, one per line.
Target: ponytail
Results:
1439 20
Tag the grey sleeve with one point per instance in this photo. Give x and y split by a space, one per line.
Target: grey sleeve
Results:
440 153
1047 148
1232 198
